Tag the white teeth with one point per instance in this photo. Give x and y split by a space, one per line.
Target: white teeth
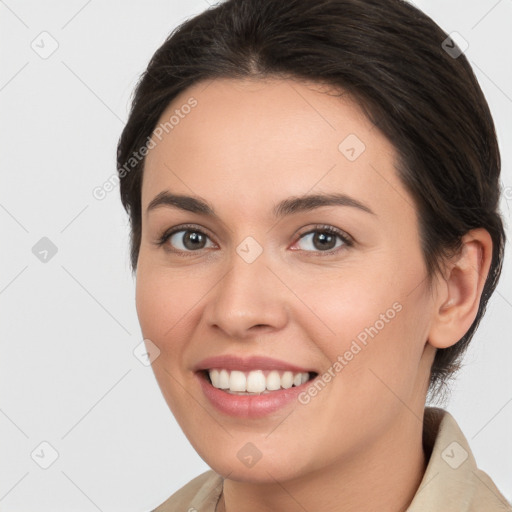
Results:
215 378
223 379
273 381
287 380
237 381
255 381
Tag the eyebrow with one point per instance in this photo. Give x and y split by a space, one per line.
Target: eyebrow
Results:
286 207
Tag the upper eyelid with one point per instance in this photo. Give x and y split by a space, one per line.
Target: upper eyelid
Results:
186 227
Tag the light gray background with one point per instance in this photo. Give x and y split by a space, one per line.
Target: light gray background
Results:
69 326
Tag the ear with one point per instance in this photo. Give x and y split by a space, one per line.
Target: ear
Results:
459 291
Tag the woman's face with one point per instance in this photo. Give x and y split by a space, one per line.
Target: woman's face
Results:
268 292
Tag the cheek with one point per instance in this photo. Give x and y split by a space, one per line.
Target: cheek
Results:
369 320
163 307
164 304
346 304
150 301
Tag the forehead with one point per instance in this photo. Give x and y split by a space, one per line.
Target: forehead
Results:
266 139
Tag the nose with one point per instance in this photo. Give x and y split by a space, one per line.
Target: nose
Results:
248 300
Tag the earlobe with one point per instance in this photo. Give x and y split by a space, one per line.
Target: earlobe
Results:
458 298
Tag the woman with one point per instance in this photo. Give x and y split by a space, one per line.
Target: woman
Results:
313 192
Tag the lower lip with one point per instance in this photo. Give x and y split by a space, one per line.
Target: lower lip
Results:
249 406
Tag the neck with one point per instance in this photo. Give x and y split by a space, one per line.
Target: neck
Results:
385 477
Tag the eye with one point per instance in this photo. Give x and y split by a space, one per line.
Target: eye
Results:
185 239
324 239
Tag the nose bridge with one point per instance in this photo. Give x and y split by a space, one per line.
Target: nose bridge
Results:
247 295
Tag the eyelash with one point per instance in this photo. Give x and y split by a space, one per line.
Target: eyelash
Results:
321 228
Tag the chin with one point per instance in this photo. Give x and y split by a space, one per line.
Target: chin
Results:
260 473
243 460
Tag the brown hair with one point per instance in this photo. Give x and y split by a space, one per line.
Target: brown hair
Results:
390 57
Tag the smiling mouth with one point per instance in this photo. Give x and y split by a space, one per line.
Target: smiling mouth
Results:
255 382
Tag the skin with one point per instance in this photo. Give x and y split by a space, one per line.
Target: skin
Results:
357 445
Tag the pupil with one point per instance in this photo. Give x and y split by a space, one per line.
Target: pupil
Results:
191 240
322 238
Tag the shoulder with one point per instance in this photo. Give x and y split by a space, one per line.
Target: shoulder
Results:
487 496
452 480
199 495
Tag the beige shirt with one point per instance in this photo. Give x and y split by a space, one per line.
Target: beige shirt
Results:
452 481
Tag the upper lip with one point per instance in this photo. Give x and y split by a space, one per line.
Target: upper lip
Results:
233 362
